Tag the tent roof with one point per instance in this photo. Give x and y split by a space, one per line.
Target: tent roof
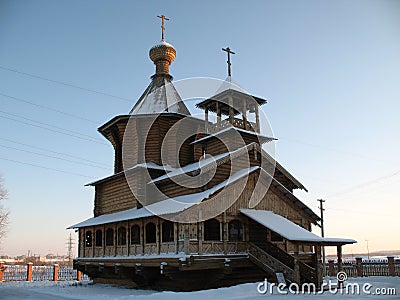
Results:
159 97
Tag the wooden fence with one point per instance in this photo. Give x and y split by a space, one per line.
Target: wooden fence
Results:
361 268
29 272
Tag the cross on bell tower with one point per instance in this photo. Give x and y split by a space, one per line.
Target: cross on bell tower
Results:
162 17
228 50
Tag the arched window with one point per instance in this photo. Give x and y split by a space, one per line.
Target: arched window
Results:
109 237
235 231
212 230
99 238
150 233
121 236
88 239
135 234
167 231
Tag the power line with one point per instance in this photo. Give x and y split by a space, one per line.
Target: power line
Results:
53 130
46 168
47 107
362 185
65 84
46 124
50 156
359 212
55 152
333 150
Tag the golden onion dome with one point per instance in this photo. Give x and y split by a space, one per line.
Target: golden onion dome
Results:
162 54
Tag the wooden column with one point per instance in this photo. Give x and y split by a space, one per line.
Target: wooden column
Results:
221 232
55 272
84 242
359 266
115 239
206 119
244 115
231 112
218 113
128 240
176 237
29 269
186 238
93 241
257 119
200 231
391 265
319 267
103 237
79 243
340 264
331 267
143 235
158 235
339 256
1 270
225 234
297 275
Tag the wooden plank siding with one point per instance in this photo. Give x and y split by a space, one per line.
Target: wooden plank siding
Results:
113 195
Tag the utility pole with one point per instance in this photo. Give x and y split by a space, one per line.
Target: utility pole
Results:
70 247
321 207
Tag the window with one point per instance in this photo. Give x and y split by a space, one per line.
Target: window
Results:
88 239
150 233
121 236
235 231
110 237
167 231
135 234
99 238
212 230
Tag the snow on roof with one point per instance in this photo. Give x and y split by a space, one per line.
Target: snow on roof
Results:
168 206
202 163
230 84
163 207
152 165
147 165
160 96
268 139
288 229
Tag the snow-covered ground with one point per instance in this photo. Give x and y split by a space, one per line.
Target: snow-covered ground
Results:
69 290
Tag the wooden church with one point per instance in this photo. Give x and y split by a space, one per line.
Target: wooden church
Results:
196 203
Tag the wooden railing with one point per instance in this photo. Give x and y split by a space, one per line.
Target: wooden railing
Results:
216 247
238 123
367 269
279 254
269 263
307 273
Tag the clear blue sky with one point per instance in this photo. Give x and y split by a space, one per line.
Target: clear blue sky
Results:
329 69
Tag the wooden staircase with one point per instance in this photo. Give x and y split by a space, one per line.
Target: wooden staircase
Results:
274 260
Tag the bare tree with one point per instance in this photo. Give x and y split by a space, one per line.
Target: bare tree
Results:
4 213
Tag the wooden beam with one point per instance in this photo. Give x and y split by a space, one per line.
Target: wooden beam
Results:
206 119
244 114
257 129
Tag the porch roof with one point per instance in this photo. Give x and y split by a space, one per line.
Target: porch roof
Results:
290 230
